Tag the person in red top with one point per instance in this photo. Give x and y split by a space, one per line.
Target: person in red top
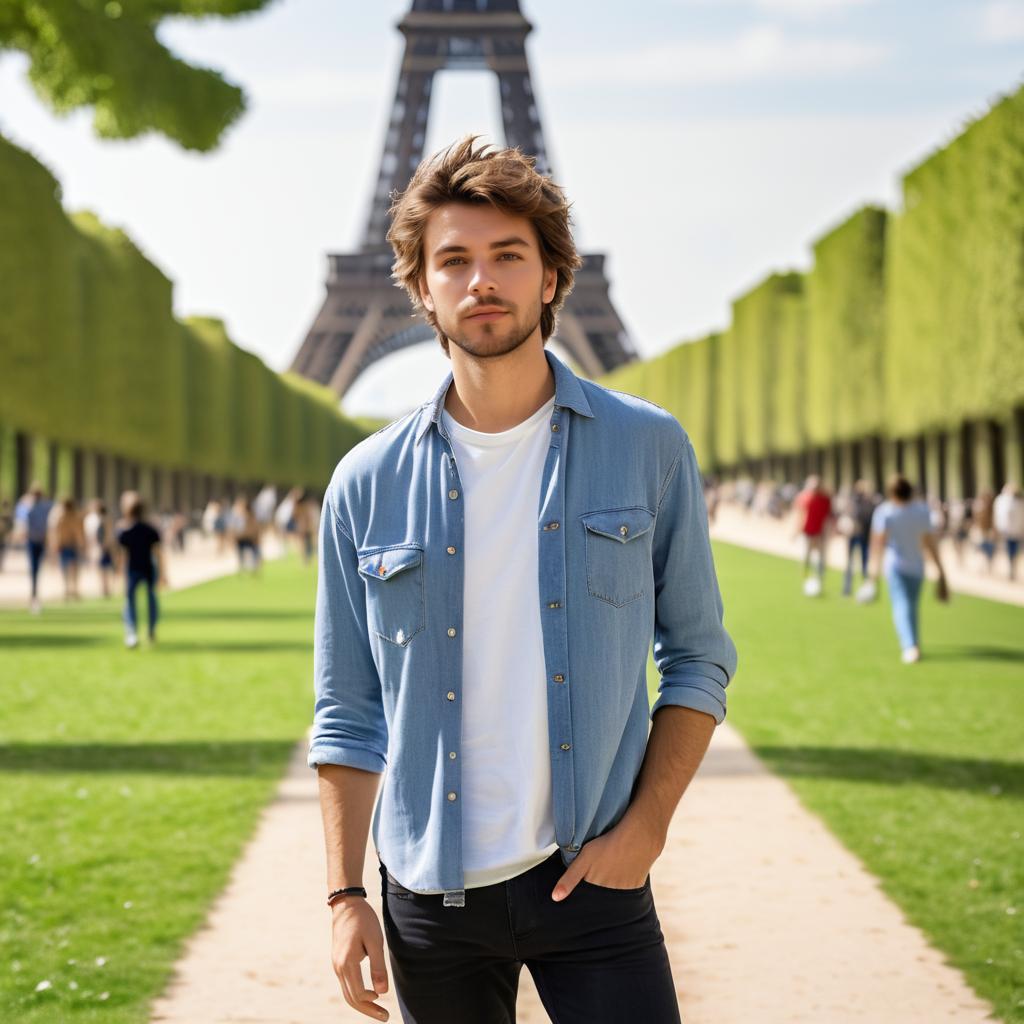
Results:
814 520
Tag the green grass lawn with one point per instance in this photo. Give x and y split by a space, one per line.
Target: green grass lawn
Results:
130 781
918 769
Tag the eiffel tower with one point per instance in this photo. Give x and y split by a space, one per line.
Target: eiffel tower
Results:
365 316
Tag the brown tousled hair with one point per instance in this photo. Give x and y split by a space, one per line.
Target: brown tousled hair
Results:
508 180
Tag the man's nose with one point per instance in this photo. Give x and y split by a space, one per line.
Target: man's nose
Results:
481 281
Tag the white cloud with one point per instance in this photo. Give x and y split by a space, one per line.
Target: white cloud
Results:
759 52
1002 21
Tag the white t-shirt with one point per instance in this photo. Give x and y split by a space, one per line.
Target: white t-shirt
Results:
508 826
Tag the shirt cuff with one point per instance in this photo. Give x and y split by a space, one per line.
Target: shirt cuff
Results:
701 695
353 757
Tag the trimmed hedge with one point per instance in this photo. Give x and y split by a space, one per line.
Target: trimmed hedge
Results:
92 356
955 283
846 330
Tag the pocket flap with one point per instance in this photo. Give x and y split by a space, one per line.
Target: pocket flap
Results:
622 524
382 565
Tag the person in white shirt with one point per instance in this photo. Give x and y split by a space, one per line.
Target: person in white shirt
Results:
1008 517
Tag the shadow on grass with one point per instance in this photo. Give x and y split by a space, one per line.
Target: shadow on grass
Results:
44 640
113 614
895 767
972 652
51 641
251 758
241 647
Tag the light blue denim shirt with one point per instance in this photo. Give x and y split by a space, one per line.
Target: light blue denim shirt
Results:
624 556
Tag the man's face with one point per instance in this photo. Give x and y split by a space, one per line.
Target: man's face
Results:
483 278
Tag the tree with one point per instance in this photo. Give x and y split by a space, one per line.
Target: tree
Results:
105 54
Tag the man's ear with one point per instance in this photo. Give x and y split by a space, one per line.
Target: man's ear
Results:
425 296
550 283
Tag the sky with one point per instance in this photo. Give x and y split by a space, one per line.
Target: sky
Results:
704 144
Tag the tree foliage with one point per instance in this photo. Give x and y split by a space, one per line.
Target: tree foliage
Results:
106 54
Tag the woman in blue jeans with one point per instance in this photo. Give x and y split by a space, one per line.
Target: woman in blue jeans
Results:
902 528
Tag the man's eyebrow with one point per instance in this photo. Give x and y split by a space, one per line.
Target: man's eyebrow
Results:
502 243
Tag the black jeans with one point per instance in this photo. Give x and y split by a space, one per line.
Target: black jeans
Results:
596 957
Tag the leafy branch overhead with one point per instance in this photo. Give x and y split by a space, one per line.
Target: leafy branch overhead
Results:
105 54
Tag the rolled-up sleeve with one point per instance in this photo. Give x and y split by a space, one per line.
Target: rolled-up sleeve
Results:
694 654
349 726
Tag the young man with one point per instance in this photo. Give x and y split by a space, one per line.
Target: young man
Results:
492 569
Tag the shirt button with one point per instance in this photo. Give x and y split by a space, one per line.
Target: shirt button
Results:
453 494
554 604
559 678
451 631
451 695
623 530
451 796
451 550
566 746
451 754
554 428
551 526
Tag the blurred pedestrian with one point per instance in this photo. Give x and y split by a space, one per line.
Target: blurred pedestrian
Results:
69 543
983 532
245 529
1008 519
100 542
305 516
958 526
33 517
814 517
144 565
6 526
901 528
855 525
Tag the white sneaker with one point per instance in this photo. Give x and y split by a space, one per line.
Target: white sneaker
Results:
131 640
911 654
35 607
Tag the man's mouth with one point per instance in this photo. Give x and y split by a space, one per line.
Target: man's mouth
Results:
487 313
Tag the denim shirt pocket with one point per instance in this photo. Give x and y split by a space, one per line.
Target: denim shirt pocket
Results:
619 566
395 601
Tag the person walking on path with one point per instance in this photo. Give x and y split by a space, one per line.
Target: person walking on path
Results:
33 518
245 529
304 516
69 543
144 565
1008 519
492 656
984 527
856 524
902 528
6 526
99 533
813 519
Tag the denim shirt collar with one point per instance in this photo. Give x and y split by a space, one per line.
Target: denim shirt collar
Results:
568 394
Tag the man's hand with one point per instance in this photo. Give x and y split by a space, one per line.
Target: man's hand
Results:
356 933
619 859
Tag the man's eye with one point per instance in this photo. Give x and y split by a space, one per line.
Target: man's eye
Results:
514 255
451 259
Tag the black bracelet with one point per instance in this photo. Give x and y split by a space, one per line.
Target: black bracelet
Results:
352 890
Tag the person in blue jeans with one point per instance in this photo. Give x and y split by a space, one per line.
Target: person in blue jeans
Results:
33 517
144 566
901 528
